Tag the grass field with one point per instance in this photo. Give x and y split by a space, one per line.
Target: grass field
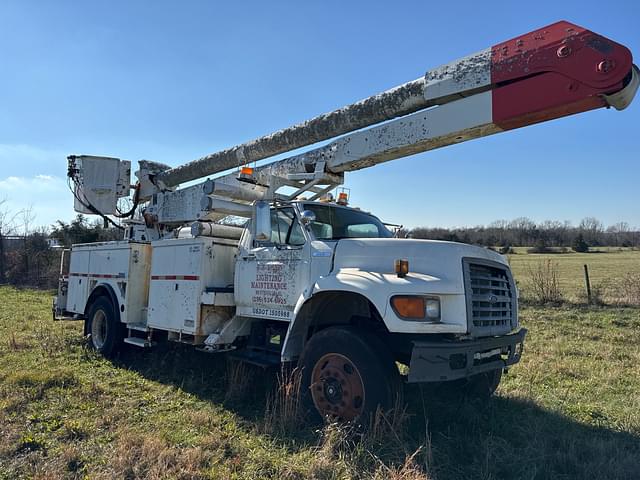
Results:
608 271
571 409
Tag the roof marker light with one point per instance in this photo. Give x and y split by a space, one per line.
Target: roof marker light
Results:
246 175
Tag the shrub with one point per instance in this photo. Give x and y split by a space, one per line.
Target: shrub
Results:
629 289
580 245
540 247
506 249
545 287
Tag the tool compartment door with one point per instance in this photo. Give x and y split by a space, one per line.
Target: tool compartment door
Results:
78 280
176 285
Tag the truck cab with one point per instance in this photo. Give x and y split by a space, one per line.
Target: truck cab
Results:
451 314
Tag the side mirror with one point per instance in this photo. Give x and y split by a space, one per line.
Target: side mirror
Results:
261 221
307 217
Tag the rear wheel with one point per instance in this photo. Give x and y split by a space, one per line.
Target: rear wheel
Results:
105 331
347 374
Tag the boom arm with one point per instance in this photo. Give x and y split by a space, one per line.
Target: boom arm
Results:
549 73
555 71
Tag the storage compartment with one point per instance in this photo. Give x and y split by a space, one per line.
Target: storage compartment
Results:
78 279
124 266
181 271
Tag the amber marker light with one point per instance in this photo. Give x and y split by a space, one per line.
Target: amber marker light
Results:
246 175
408 307
402 267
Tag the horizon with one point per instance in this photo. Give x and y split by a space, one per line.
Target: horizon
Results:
17 230
173 83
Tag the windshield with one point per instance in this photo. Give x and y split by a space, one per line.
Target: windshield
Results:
334 223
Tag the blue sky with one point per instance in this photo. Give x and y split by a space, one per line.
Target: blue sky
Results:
172 81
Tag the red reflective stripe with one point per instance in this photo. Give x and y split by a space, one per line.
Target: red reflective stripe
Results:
175 277
96 275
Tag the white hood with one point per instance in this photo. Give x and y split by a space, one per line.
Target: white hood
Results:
429 257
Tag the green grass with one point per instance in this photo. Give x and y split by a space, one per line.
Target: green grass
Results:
607 271
571 409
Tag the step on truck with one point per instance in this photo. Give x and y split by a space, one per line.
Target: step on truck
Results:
269 265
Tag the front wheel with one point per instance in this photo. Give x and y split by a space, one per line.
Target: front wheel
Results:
480 386
104 328
484 384
347 374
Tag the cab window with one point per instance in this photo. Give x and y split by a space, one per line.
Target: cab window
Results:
334 223
285 229
363 230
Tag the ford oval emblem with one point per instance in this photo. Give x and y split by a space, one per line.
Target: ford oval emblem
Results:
493 299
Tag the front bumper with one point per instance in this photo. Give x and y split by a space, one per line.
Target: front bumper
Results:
445 361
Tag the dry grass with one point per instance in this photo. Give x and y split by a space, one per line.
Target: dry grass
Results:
283 413
409 470
145 456
570 410
239 380
628 288
614 273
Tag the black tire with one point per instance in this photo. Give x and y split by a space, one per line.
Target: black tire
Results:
347 375
484 384
480 386
103 326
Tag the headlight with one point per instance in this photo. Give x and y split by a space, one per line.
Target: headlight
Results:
416 308
433 309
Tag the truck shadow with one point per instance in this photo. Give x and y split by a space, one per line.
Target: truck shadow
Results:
456 437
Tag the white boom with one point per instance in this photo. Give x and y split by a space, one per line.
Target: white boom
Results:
552 72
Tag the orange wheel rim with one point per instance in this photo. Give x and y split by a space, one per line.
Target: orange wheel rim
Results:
336 387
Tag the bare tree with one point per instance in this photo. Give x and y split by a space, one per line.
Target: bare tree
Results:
620 233
526 233
7 227
523 227
591 229
27 218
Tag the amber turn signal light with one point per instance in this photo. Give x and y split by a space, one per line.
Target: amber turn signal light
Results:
412 308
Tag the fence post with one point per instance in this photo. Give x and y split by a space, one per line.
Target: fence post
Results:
587 283
2 262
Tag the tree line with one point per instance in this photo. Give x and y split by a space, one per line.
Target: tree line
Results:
524 232
30 256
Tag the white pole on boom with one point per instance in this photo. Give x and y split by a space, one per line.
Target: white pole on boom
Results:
580 70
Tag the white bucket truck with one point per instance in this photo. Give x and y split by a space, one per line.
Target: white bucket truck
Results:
309 281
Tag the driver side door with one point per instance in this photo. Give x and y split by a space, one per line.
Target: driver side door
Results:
271 276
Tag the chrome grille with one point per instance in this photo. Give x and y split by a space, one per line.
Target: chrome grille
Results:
491 301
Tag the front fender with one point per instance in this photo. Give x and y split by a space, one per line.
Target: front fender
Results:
378 288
